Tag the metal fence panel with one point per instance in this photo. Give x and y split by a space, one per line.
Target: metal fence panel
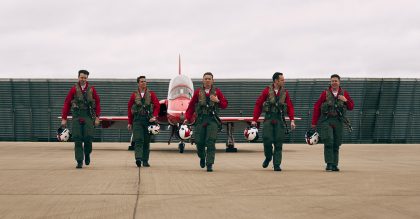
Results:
386 110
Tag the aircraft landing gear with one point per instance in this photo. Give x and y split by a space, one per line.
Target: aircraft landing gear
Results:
230 144
131 147
181 147
231 148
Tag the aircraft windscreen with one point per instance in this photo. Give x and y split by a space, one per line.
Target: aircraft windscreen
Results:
181 92
180 86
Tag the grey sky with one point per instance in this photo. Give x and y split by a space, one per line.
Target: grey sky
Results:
231 38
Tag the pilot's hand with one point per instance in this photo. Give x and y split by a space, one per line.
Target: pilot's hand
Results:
214 98
254 124
153 119
342 98
96 121
129 127
64 123
292 124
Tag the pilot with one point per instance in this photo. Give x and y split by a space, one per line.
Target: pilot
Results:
329 112
143 108
206 102
274 101
84 103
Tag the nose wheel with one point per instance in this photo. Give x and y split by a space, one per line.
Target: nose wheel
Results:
181 147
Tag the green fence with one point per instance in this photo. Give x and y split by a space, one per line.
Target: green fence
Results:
386 110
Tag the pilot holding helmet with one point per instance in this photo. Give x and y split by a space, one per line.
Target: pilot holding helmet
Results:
206 102
274 101
143 108
330 115
84 103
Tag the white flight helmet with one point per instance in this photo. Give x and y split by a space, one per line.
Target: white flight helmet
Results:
185 132
312 137
251 133
63 134
154 129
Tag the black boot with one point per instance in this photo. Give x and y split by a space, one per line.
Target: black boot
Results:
202 162
329 167
277 168
138 162
335 168
79 164
209 167
146 163
266 163
87 159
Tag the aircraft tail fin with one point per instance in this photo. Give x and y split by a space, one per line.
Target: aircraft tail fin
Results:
179 64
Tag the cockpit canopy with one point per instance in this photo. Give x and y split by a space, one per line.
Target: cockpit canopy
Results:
180 86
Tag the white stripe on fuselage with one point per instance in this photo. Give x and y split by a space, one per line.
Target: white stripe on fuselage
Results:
175 111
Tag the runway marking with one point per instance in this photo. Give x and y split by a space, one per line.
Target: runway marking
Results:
74 194
138 196
218 195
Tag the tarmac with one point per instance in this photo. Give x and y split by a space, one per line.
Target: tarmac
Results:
39 180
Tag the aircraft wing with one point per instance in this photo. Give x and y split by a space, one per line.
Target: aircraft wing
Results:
247 119
113 118
117 122
121 121
107 118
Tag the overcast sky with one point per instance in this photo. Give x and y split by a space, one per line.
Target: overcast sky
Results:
231 38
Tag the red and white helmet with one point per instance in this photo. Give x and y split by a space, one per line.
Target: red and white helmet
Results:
251 133
154 129
185 132
63 134
312 137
